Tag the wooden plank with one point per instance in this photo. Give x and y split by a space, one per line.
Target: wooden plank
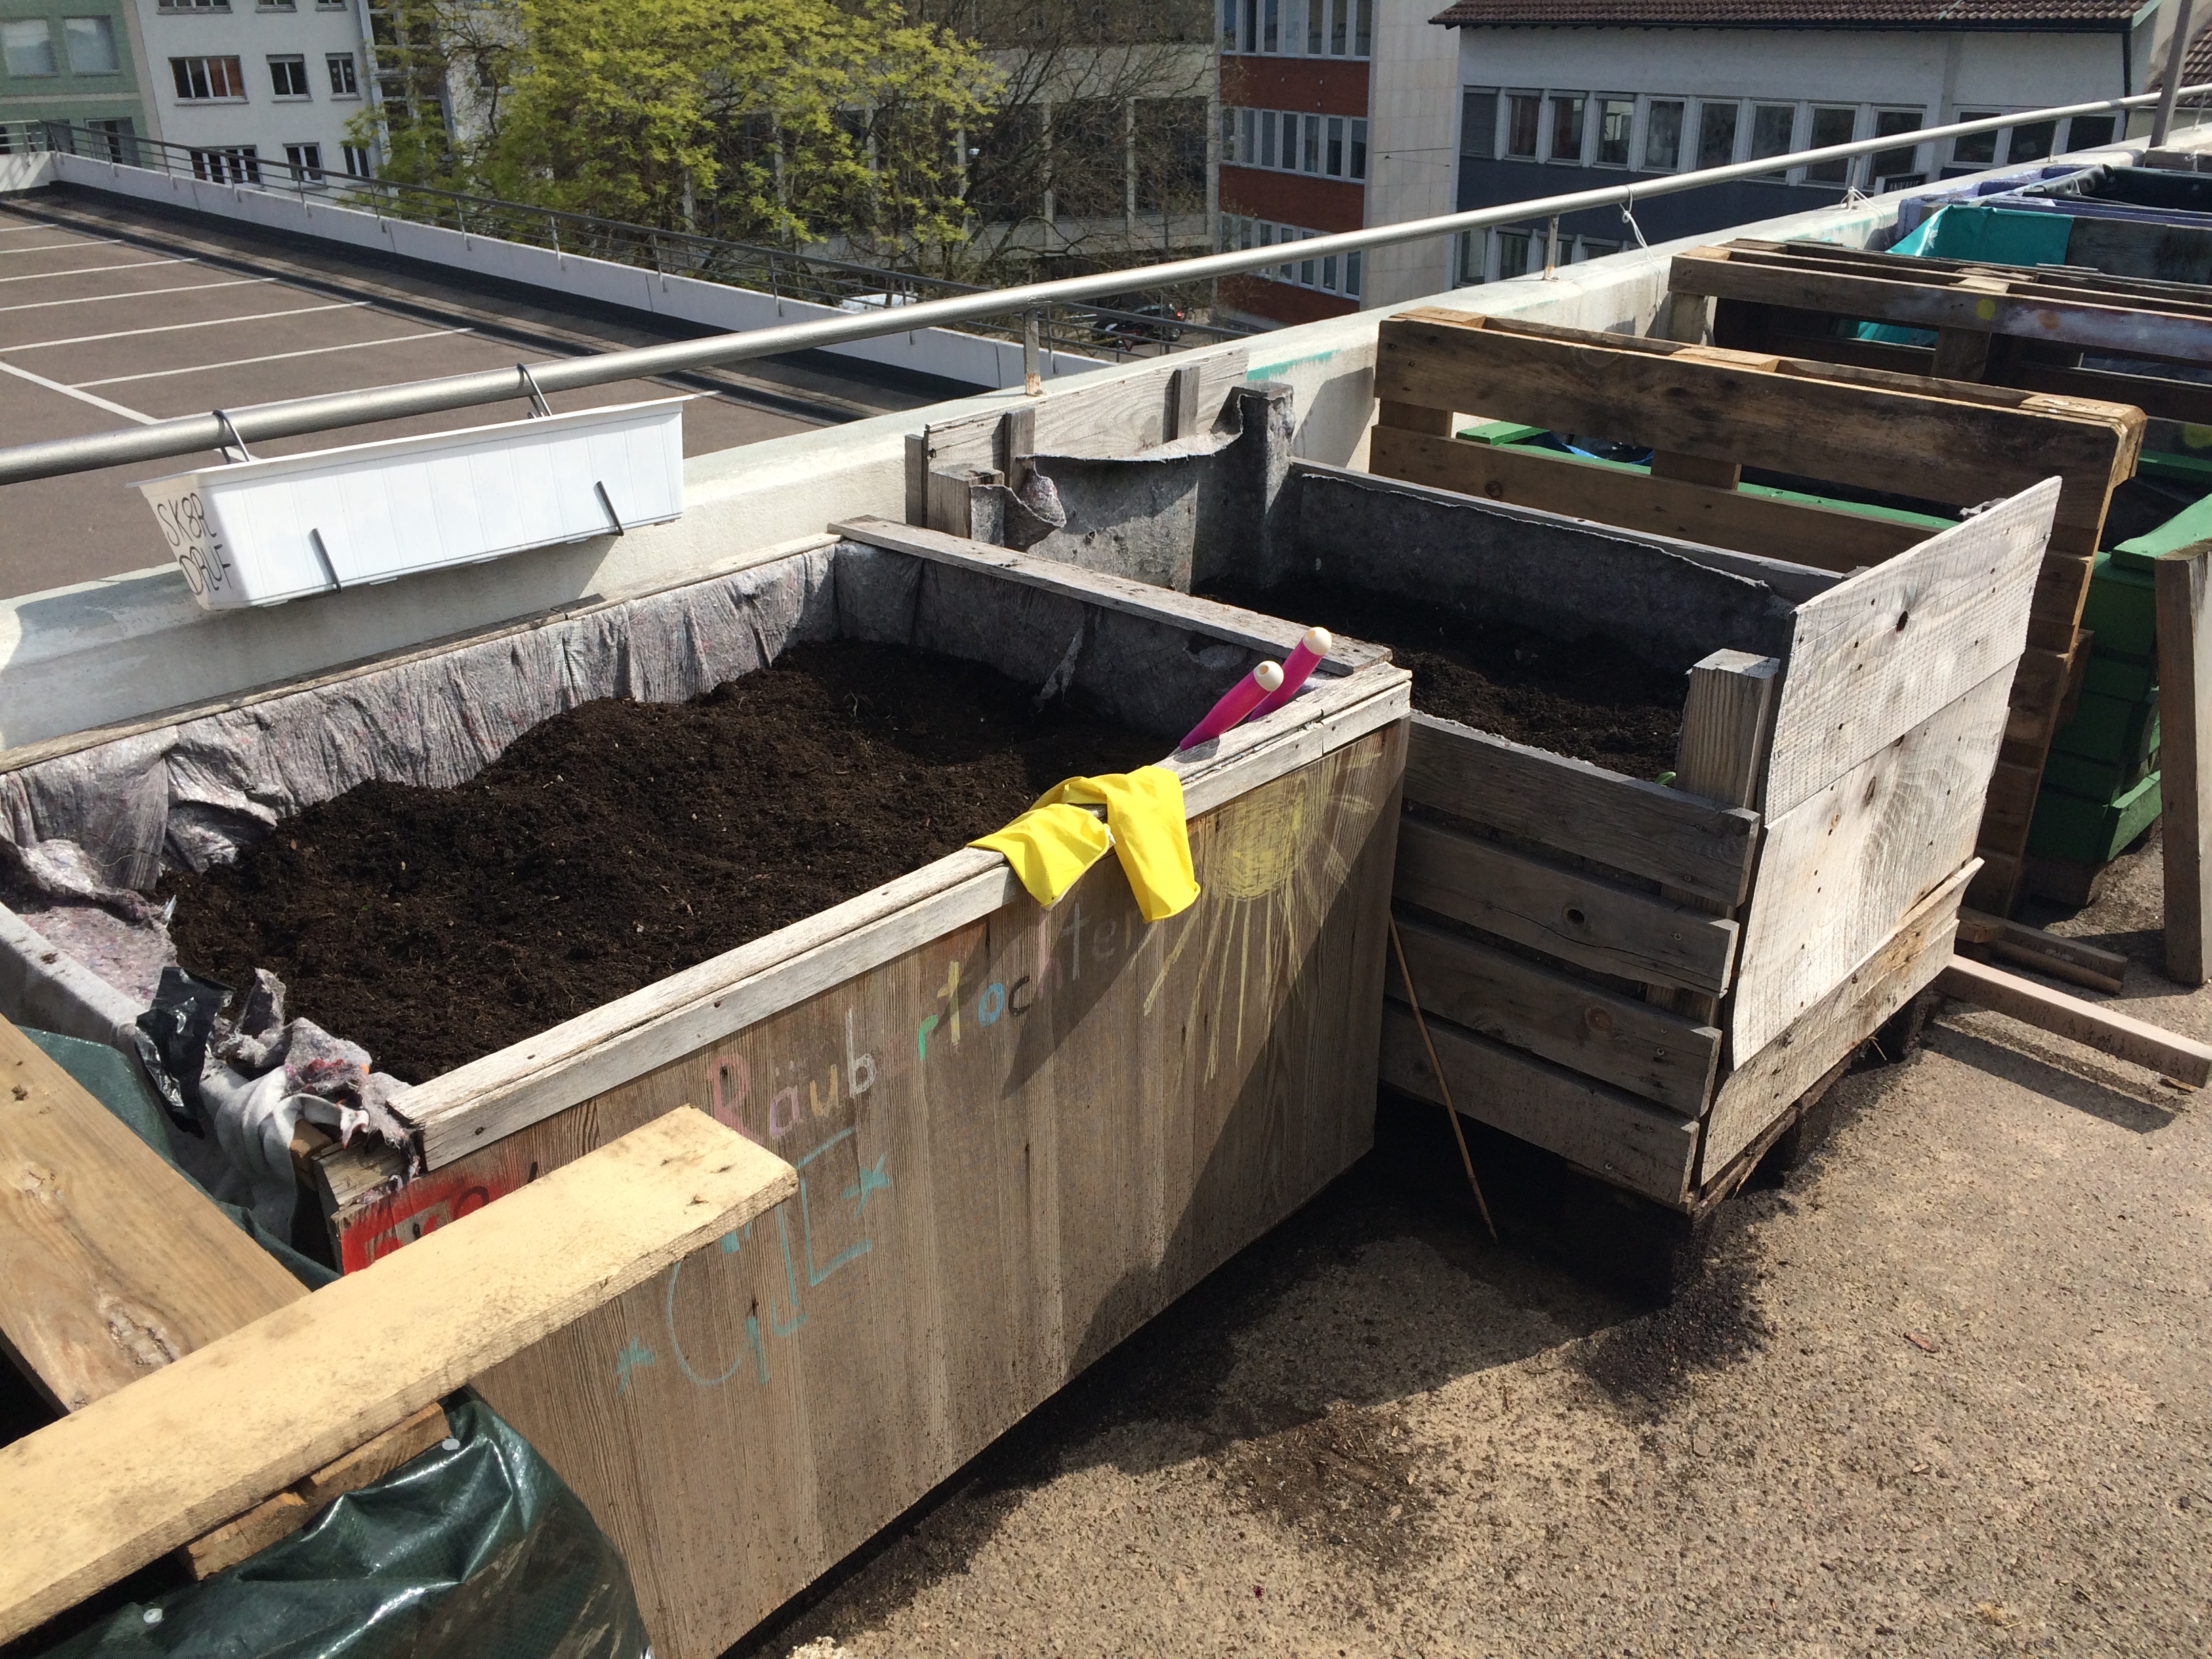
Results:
282 1516
1840 869
1761 1089
1109 419
1943 301
1593 923
1897 436
2184 723
1571 1022
1610 1134
114 1264
83 1503
1825 537
1696 468
2046 953
2099 1026
2038 692
1412 418
1876 655
1669 835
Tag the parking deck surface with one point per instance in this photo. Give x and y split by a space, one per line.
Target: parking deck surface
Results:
111 315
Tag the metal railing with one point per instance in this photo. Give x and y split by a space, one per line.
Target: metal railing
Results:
1088 331
329 411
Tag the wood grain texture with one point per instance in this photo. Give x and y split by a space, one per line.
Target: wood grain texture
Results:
83 1503
114 1264
2184 722
1759 1089
1826 537
1670 835
1610 1134
1117 418
1015 1143
1842 868
1921 438
1615 1039
1876 655
1591 922
2099 1026
2050 954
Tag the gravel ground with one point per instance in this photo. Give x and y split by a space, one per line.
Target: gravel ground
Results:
1939 1392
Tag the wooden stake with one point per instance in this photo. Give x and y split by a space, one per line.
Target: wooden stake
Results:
2185 684
1443 1087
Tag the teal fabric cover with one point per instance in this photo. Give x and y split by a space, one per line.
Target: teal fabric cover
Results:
1971 231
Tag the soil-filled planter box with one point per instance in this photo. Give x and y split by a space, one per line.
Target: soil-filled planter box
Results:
1019 1131
1644 976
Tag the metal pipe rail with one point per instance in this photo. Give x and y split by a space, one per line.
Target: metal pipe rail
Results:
191 434
781 272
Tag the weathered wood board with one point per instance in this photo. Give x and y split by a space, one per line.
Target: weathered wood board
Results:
1014 1144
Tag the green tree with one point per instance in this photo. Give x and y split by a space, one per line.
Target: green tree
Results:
786 121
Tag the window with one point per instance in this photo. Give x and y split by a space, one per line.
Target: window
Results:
237 165
201 79
1478 125
274 5
1229 25
91 45
1771 127
1271 27
1328 274
356 161
1889 124
1269 125
1315 9
1363 37
288 76
2089 133
1832 126
193 5
2031 143
1337 22
1251 25
1662 135
305 162
1615 118
1716 135
1358 148
117 133
1976 148
1567 128
1309 152
1351 263
1521 121
1333 155
1585 249
1243 151
27 46
1512 254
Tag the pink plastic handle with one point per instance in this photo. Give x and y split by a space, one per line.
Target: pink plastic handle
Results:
1235 703
1318 644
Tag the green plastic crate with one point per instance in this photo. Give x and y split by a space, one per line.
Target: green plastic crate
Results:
2087 831
2110 729
2095 780
2119 610
2131 680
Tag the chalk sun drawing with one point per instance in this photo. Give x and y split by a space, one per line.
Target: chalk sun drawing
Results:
1261 885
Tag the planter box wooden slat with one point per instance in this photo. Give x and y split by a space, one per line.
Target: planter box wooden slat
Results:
1644 829
1662 1056
1580 918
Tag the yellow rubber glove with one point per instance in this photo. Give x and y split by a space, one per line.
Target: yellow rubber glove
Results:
1056 841
1049 847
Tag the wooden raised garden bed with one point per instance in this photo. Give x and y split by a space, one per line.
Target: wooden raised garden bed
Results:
1018 1132
1709 413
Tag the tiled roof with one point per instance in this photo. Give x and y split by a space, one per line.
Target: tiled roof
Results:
2058 14
2196 69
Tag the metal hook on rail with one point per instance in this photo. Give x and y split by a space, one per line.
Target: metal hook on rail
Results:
230 427
538 406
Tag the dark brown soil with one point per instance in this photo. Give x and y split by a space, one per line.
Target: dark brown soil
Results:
619 842
1591 698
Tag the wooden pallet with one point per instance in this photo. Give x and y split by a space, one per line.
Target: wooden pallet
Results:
1710 412
2000 324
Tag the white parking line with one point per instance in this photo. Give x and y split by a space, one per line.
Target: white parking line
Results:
48 247
273 357
81 395
139 293
171 328
91 271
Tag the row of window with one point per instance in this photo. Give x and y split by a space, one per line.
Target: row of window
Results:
188 6
1329 146
1298 28
1494 255
1329 273
217 80
27 45
241 164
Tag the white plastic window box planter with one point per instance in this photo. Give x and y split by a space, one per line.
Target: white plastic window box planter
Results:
262 531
